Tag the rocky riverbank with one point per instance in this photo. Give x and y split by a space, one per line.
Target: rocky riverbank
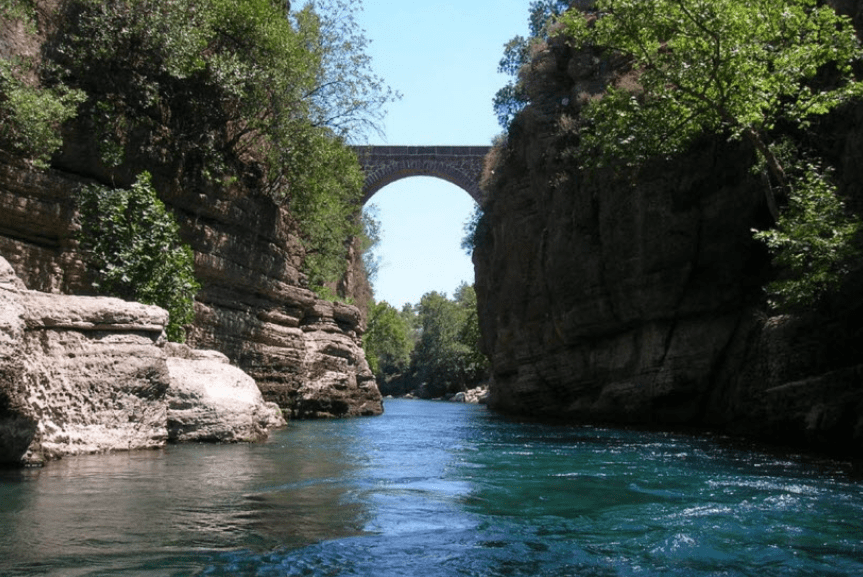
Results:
255 305
82 374
304 353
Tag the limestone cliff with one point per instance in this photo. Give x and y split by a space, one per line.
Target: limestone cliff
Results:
254 307
304 353
636 297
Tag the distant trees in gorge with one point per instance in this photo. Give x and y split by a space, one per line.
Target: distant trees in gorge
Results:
430 349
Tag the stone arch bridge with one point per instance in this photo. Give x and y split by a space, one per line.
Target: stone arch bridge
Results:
460 165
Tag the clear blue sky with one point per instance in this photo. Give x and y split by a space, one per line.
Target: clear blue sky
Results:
442 55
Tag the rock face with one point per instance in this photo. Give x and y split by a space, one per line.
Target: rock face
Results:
210 400
82 374
635 298
78 374
304 353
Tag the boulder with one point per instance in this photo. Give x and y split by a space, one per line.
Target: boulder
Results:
478 395
211 400
78 374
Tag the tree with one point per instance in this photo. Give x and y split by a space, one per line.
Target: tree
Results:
409 314
387 341
475 362
435 361
30 115
510 99
347 95
475 229
447 358
234 90
370 240
747 70
813 242
431 348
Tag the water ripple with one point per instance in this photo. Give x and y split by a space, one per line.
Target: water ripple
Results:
436 489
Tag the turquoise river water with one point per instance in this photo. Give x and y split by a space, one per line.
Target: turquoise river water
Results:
435 489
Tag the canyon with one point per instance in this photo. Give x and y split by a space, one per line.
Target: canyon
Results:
304 352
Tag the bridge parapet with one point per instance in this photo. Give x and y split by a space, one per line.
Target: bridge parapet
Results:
460 165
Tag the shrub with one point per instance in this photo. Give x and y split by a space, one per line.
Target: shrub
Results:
133 247
31 115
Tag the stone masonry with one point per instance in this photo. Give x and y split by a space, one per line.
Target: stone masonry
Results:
459 165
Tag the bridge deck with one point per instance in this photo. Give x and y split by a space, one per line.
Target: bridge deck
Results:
388 150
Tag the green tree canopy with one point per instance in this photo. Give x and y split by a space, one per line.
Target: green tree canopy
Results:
431 347
30 114
370 240
748 70
714 66
347 96
221 89
387 341
447 357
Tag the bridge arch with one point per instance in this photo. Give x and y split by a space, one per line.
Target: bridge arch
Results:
459 165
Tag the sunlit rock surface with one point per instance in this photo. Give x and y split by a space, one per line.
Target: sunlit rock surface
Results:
82 374
210 400
78 375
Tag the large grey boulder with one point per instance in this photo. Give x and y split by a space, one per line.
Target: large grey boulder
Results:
78 374
211 400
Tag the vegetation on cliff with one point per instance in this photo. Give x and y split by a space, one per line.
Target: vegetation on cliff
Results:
30 114
510 99
133 245
628 288
218 90
758 72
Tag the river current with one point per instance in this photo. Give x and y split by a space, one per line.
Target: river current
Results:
435 489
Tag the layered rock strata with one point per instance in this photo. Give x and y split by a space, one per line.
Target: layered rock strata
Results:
635 297
81 374
304 353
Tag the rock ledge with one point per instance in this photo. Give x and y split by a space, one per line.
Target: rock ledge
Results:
93 374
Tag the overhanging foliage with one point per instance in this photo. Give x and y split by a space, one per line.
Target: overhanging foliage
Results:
758 72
